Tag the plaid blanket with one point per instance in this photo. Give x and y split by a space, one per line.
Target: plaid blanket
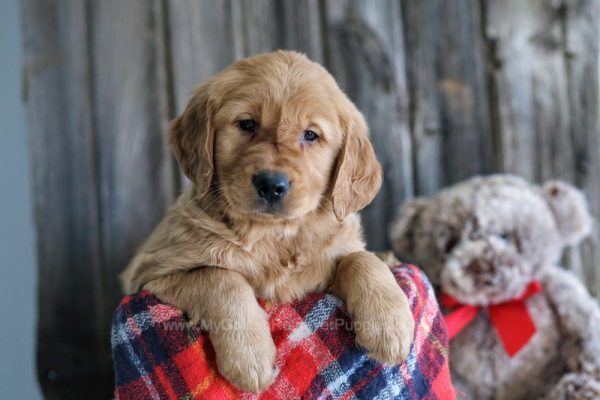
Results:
158 356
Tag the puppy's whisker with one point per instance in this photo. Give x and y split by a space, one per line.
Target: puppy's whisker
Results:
322 208
214 200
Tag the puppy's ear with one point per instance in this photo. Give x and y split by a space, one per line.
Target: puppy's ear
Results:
570 211
357 175
402 230
191 137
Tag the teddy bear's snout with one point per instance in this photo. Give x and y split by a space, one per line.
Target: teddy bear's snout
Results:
477 267
483 270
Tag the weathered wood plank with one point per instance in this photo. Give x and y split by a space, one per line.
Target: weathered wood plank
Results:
544 58
531 82
449 109
365 53
264 25
96 98
201 38
582 53
299 26
206 36
130 106
255 28
58 98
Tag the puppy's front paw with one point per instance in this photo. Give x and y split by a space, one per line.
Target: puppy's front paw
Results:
385 327
246 356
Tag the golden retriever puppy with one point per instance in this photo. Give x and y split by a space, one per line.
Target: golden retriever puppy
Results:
280 161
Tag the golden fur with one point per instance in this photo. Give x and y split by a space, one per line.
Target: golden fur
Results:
219 248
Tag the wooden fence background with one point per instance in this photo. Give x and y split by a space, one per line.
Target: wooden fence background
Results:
450 89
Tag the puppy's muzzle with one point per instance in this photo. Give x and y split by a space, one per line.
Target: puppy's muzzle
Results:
271 186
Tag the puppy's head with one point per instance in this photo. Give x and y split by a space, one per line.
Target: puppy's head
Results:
274 137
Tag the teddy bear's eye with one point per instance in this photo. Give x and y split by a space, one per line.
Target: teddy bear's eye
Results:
451 244
511 237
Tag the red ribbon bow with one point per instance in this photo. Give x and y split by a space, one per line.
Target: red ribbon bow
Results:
511 319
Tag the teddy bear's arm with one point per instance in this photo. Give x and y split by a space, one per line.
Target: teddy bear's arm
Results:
575 386
578 316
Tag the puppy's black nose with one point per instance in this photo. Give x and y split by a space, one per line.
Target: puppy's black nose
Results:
271 186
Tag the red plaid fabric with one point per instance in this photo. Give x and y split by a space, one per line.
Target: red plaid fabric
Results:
158 356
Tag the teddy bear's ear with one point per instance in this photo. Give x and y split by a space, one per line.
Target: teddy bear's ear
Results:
402 229
570 210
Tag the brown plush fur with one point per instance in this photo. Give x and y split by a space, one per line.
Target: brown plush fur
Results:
482 241
219 247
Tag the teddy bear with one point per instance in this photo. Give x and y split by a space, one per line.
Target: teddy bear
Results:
521 327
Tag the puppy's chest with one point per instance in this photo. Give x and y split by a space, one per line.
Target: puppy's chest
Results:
290 269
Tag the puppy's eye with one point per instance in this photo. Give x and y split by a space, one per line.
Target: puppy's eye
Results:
310 136
248 125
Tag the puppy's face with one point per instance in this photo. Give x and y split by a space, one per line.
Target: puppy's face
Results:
276 143
273 136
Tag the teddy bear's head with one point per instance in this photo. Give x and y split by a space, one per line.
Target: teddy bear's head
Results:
484 240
